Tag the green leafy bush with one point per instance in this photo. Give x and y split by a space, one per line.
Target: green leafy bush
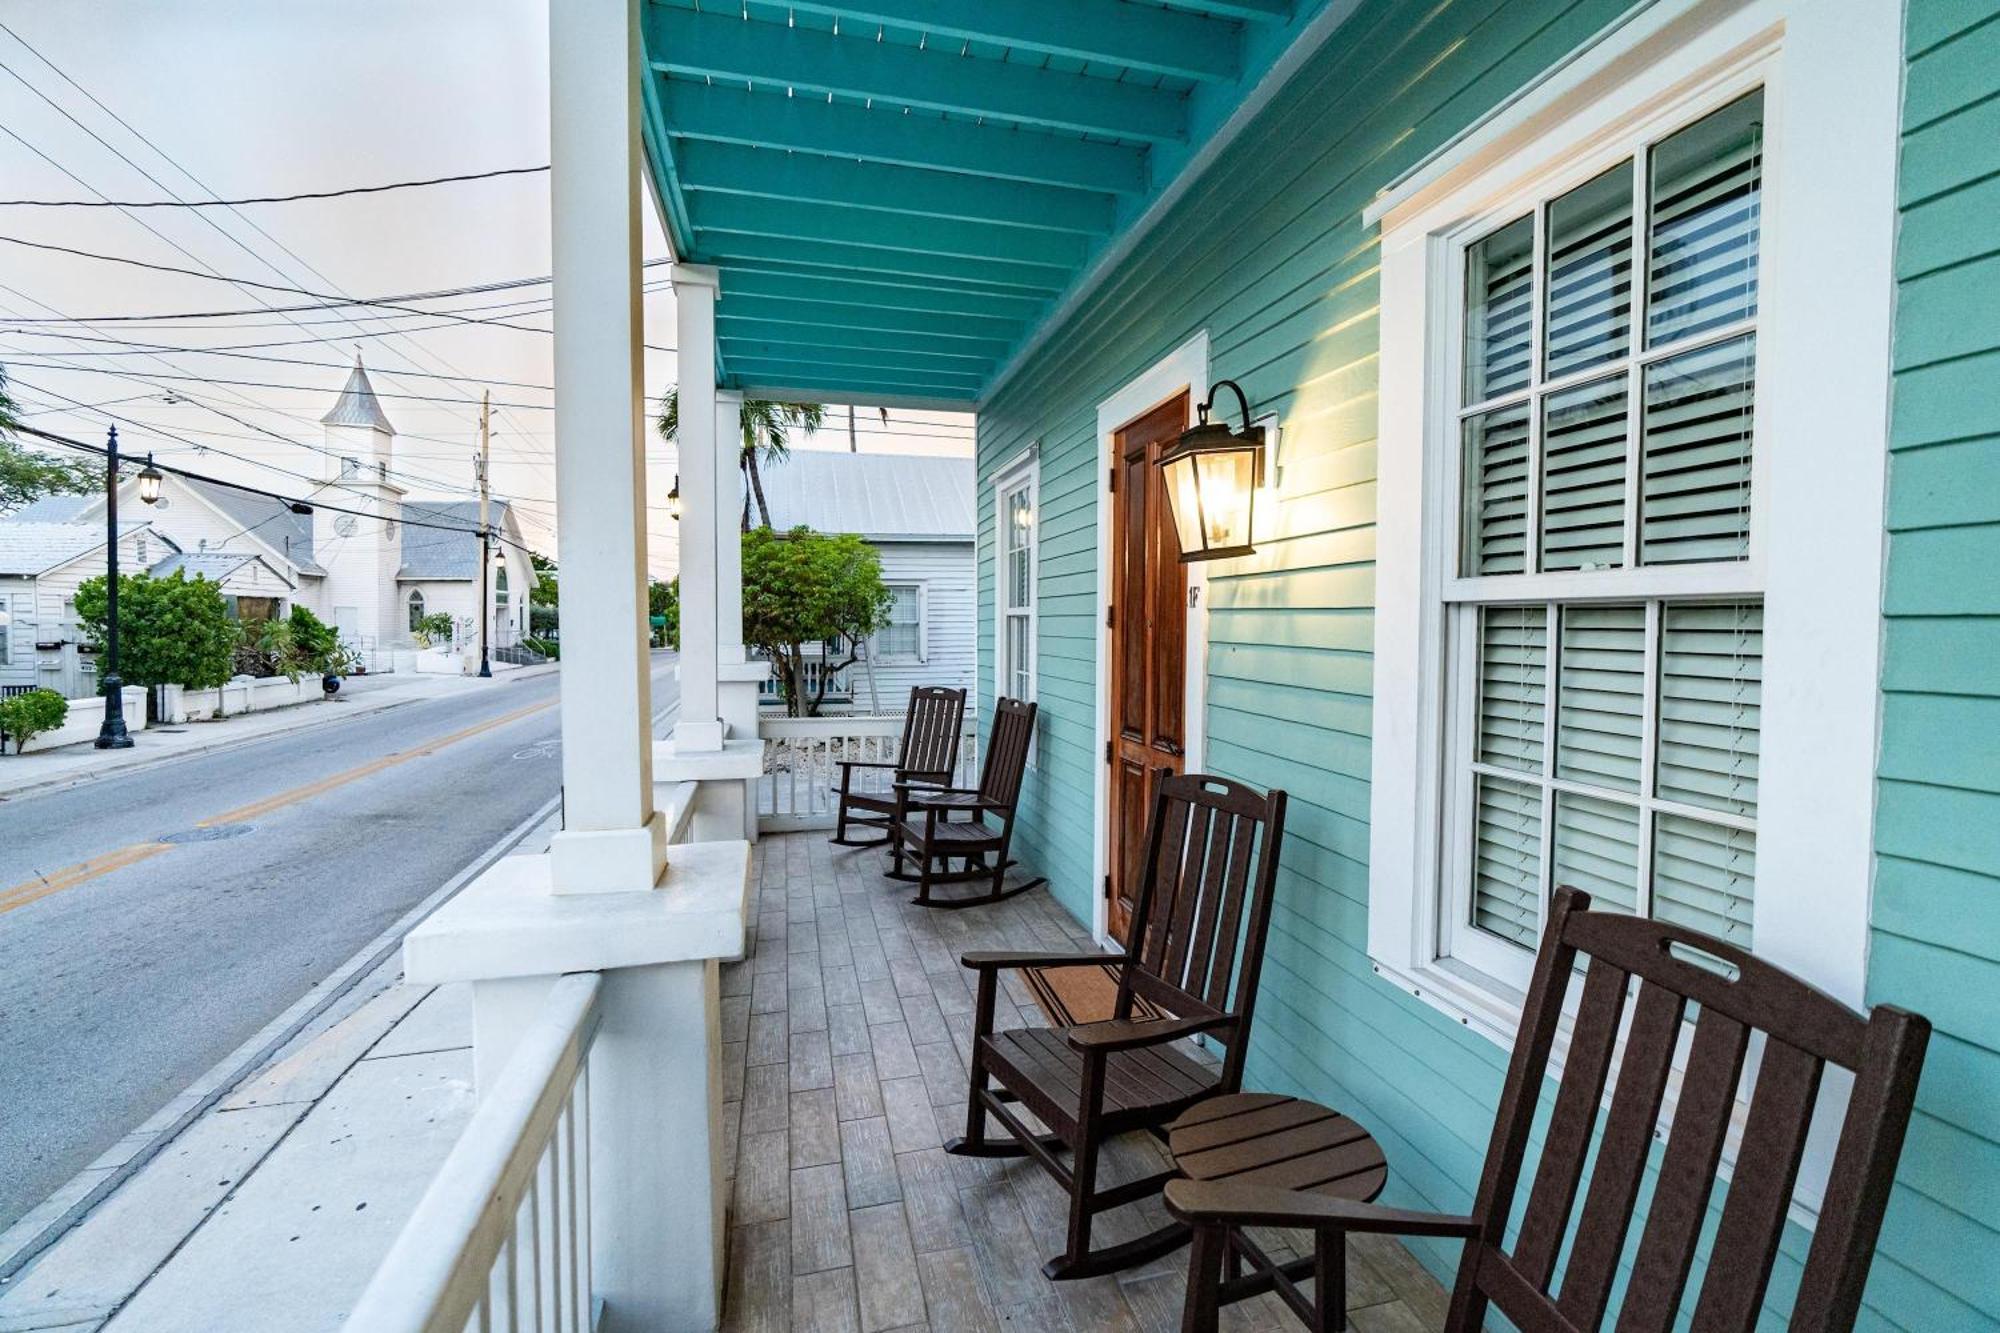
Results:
548 648
804 587
433 630
171 631
26 716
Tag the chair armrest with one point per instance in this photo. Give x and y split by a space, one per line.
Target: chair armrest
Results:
866 763
1125 1034
993 961
1212 1201
951 800
915 785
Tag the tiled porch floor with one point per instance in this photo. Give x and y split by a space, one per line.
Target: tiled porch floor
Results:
845 1035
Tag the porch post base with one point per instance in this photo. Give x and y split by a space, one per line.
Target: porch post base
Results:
697 735
609 860
655 1095
725 803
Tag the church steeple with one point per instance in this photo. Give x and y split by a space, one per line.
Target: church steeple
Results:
357 404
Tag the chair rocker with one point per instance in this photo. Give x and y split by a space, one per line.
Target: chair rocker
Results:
1804 1030
927 753
923 831
1211 854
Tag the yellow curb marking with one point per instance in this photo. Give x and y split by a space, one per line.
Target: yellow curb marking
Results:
84 871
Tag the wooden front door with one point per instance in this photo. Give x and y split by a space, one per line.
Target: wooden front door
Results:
1148 618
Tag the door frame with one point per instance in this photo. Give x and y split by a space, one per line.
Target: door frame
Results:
1183 370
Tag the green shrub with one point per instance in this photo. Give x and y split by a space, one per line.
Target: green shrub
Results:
26 716
433 630
548 648
171 631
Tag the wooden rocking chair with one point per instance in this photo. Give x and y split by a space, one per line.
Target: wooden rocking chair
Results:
923 830
928 752
1804 1031
1204 903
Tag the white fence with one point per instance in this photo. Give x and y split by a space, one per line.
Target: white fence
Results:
802 764
501 1240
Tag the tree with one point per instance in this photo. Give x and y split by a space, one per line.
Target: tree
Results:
663 599
26 476
544 591
171 631
804 587
27 715
767 428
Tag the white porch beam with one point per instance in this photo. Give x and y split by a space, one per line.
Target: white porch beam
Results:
612 838
699 730
728 533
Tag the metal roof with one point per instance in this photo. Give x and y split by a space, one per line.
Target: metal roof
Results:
883 497
901 195
269 521
434 553
28 548
215 566
54 509
357 404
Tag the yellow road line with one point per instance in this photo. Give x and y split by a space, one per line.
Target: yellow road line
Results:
84 871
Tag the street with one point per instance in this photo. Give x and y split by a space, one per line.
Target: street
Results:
131 961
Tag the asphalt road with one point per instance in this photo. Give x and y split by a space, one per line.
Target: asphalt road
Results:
126 978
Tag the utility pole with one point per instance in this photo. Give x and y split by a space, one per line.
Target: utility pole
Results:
485 533
853 446
111 734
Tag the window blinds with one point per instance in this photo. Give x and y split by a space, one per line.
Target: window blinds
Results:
1512 684
1507 874
1496 505
1706 206
1583 476
1600 695
1696 439
1588 301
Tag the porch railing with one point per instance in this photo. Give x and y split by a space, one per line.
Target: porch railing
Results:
802 764
839 687
501 1240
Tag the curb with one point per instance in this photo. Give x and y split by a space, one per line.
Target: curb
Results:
70 1204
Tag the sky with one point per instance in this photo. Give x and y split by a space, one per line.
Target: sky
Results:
236 98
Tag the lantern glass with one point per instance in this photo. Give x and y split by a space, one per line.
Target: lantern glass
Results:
1227 481
149 483
674 501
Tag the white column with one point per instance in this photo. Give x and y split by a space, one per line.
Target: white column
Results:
612 839
700 729
728 526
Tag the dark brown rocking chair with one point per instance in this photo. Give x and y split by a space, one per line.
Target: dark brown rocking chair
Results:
928 753
1804 1031
1204 903
922 829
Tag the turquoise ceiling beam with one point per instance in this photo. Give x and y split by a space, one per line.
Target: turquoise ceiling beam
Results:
840 315
771 174
723 247
870 392
893 136
725 46
834 354
1158 41
882 231
1267 11
850 291
903 376
792 327
945 283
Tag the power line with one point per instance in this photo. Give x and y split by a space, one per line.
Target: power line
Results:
273 198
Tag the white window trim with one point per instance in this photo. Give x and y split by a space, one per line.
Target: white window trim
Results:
1832 74
1185 369
1025 469
922 654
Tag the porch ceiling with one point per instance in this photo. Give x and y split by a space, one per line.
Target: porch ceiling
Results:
900 193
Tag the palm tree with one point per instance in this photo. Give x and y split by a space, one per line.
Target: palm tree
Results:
767 427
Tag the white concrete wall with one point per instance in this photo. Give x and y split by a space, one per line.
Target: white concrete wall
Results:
84 718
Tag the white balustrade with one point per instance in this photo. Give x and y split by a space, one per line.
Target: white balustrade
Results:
802 765
501 1240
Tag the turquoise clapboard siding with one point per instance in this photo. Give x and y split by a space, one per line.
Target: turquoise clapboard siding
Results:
1287 292
1936 937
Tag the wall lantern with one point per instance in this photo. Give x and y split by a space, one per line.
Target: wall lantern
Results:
674 501
149 482
1213 475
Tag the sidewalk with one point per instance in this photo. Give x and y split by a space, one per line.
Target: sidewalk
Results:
359 696
271 1210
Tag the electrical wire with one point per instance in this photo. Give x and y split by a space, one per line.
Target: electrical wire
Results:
275 198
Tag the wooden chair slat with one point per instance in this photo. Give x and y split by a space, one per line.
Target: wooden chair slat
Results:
1621 1154
1188 884
1567 1142
1229 920
1201 947
1864 1168
1164 855
1687 1175
928 750
1760 1192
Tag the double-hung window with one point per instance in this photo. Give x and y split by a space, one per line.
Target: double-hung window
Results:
1015 521
1604 626
901 638
1632 437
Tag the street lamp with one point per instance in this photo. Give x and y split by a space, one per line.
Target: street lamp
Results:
149 482
111 733
1213 474
485 578
674 500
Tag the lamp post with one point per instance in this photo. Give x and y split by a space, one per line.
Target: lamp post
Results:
111 734
485 611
